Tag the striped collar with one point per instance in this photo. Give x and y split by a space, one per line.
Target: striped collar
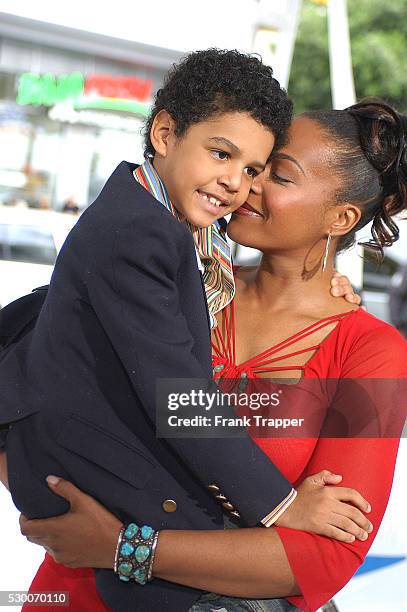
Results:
210 242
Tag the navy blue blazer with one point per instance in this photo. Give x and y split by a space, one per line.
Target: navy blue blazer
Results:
125 307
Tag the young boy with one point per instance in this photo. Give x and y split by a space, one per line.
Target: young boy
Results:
126 306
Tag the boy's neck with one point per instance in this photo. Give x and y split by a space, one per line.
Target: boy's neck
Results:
158 165
155 161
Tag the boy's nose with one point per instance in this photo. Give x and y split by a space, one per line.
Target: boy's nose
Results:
257 184
231 182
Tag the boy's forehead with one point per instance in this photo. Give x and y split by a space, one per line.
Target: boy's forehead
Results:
229 121
234 129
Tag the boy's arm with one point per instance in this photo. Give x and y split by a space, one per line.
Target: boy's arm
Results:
134 293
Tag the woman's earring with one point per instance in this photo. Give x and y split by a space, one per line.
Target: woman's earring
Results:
328 244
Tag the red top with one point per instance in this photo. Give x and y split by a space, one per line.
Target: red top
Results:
360 346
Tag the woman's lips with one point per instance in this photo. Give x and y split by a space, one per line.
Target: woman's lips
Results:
247 211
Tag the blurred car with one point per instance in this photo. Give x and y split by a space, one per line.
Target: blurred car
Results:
29 243
377 280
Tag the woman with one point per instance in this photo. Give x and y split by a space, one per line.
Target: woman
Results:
339 171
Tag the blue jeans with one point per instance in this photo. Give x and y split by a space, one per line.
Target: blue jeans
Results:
210 602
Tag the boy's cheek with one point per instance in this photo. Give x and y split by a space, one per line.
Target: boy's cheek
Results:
243 195
240 200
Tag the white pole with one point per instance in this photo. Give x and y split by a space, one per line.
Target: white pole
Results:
343 95
340 58
274 33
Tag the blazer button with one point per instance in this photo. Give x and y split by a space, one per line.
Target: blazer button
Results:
234 514
169 505
213 488
228 506
221 498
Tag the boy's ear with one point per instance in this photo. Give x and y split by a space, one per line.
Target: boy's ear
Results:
161 129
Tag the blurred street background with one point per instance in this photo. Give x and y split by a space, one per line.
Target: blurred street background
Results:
76 83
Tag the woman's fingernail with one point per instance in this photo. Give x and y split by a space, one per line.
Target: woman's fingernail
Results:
351 538
53 480
363 537
370 528
368 508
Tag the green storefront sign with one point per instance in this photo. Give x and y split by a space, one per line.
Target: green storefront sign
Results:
49 90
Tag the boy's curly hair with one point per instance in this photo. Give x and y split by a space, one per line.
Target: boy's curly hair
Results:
211 82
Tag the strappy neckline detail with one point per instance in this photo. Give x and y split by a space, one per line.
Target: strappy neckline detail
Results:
262 362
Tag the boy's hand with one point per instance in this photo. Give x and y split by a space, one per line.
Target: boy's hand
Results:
86 536
341 287
327 510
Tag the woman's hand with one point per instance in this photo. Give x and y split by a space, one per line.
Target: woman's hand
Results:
86 536
341 287
331 511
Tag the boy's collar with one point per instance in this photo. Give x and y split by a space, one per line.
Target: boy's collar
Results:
149 178
210 242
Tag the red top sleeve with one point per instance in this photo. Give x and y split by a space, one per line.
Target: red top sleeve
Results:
323 566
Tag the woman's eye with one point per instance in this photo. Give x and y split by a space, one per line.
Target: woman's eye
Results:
279 179
251 172
220 154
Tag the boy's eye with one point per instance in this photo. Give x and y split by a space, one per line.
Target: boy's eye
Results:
251 172
220 154
279 179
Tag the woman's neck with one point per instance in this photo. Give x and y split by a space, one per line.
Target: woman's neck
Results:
281 282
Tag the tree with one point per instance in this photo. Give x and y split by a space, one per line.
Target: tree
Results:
378 32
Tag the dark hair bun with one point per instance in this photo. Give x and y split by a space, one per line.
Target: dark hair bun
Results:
383 139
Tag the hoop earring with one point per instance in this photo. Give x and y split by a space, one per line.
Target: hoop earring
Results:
328 244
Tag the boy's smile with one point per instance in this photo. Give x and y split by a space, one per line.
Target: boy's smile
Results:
211 202
209 170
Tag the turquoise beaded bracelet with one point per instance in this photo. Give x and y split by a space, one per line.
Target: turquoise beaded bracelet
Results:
135 553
